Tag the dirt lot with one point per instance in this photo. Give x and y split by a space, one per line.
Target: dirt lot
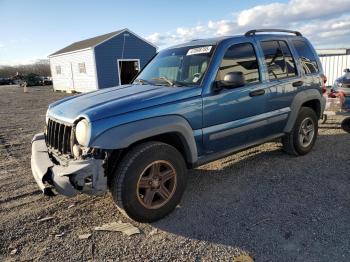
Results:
260 202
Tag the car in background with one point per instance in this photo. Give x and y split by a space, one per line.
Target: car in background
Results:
338 100
45 81
5 81
342 84
342 88
30 80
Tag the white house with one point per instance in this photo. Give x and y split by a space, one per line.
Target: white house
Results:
99 62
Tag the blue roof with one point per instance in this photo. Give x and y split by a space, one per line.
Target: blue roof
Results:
91 42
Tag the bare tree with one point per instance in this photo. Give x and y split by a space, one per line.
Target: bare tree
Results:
40 67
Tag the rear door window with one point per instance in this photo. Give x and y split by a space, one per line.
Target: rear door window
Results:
306 57
240 58
290 63
278 59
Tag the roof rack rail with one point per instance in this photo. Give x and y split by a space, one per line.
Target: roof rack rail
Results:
253 32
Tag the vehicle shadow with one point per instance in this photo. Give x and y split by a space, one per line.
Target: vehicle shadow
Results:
275 206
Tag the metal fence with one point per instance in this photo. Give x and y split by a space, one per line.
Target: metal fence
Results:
333 66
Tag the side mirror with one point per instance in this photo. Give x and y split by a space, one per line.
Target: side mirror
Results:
346 70
231 80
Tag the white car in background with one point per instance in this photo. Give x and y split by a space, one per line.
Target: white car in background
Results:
342 84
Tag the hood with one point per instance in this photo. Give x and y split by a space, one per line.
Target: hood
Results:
117 100
345 80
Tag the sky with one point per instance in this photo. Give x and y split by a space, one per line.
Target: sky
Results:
33 29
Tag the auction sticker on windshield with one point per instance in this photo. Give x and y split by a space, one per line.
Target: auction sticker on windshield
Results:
199 50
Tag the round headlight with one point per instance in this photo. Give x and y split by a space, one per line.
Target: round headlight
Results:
83 132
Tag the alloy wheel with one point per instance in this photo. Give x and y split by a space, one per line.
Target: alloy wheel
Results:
306 132
157 184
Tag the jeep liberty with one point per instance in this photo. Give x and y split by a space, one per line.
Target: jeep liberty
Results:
192 104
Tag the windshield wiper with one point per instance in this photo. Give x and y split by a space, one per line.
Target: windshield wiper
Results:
142 81
181 84
164 79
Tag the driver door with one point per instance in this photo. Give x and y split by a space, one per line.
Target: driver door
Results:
235 117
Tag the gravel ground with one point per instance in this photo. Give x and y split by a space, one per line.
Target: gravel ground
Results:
259 204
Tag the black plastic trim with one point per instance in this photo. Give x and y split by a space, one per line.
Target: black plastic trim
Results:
253 32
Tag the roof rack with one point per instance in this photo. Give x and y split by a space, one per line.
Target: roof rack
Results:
253 32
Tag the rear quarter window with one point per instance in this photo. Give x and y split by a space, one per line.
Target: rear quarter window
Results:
307 58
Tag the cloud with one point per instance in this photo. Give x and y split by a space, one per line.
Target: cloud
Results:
222 27
293 11
326 23
157 38
187 33
181 34
334 32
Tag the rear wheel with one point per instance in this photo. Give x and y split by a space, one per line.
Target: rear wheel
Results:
149 181
304 133
346 124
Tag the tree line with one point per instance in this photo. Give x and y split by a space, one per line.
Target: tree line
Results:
40 67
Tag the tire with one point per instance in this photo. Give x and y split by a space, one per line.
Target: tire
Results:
131 190
292 143
345 124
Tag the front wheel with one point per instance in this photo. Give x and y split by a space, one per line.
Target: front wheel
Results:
149 181
303 136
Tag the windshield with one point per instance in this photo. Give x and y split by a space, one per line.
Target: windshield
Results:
184 66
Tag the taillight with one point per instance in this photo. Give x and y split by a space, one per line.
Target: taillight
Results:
332 94
323 83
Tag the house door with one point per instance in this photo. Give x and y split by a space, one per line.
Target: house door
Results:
128 69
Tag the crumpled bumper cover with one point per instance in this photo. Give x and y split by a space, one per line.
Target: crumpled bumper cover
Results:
51 177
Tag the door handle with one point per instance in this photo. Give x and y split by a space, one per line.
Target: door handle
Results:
298 83
258 92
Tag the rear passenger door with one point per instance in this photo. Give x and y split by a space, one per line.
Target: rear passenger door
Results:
282 80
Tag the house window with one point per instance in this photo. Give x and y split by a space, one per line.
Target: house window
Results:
58 70
82 68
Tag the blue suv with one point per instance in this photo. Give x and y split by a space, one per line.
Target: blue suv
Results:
192 104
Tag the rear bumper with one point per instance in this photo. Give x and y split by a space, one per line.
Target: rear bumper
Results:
85 176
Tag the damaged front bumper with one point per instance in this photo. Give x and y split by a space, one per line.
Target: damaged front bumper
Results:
85 176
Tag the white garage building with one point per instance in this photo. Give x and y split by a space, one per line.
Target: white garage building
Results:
74 70
334 61
100 62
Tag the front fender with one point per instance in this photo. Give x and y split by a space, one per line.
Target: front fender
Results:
298 101
124 135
